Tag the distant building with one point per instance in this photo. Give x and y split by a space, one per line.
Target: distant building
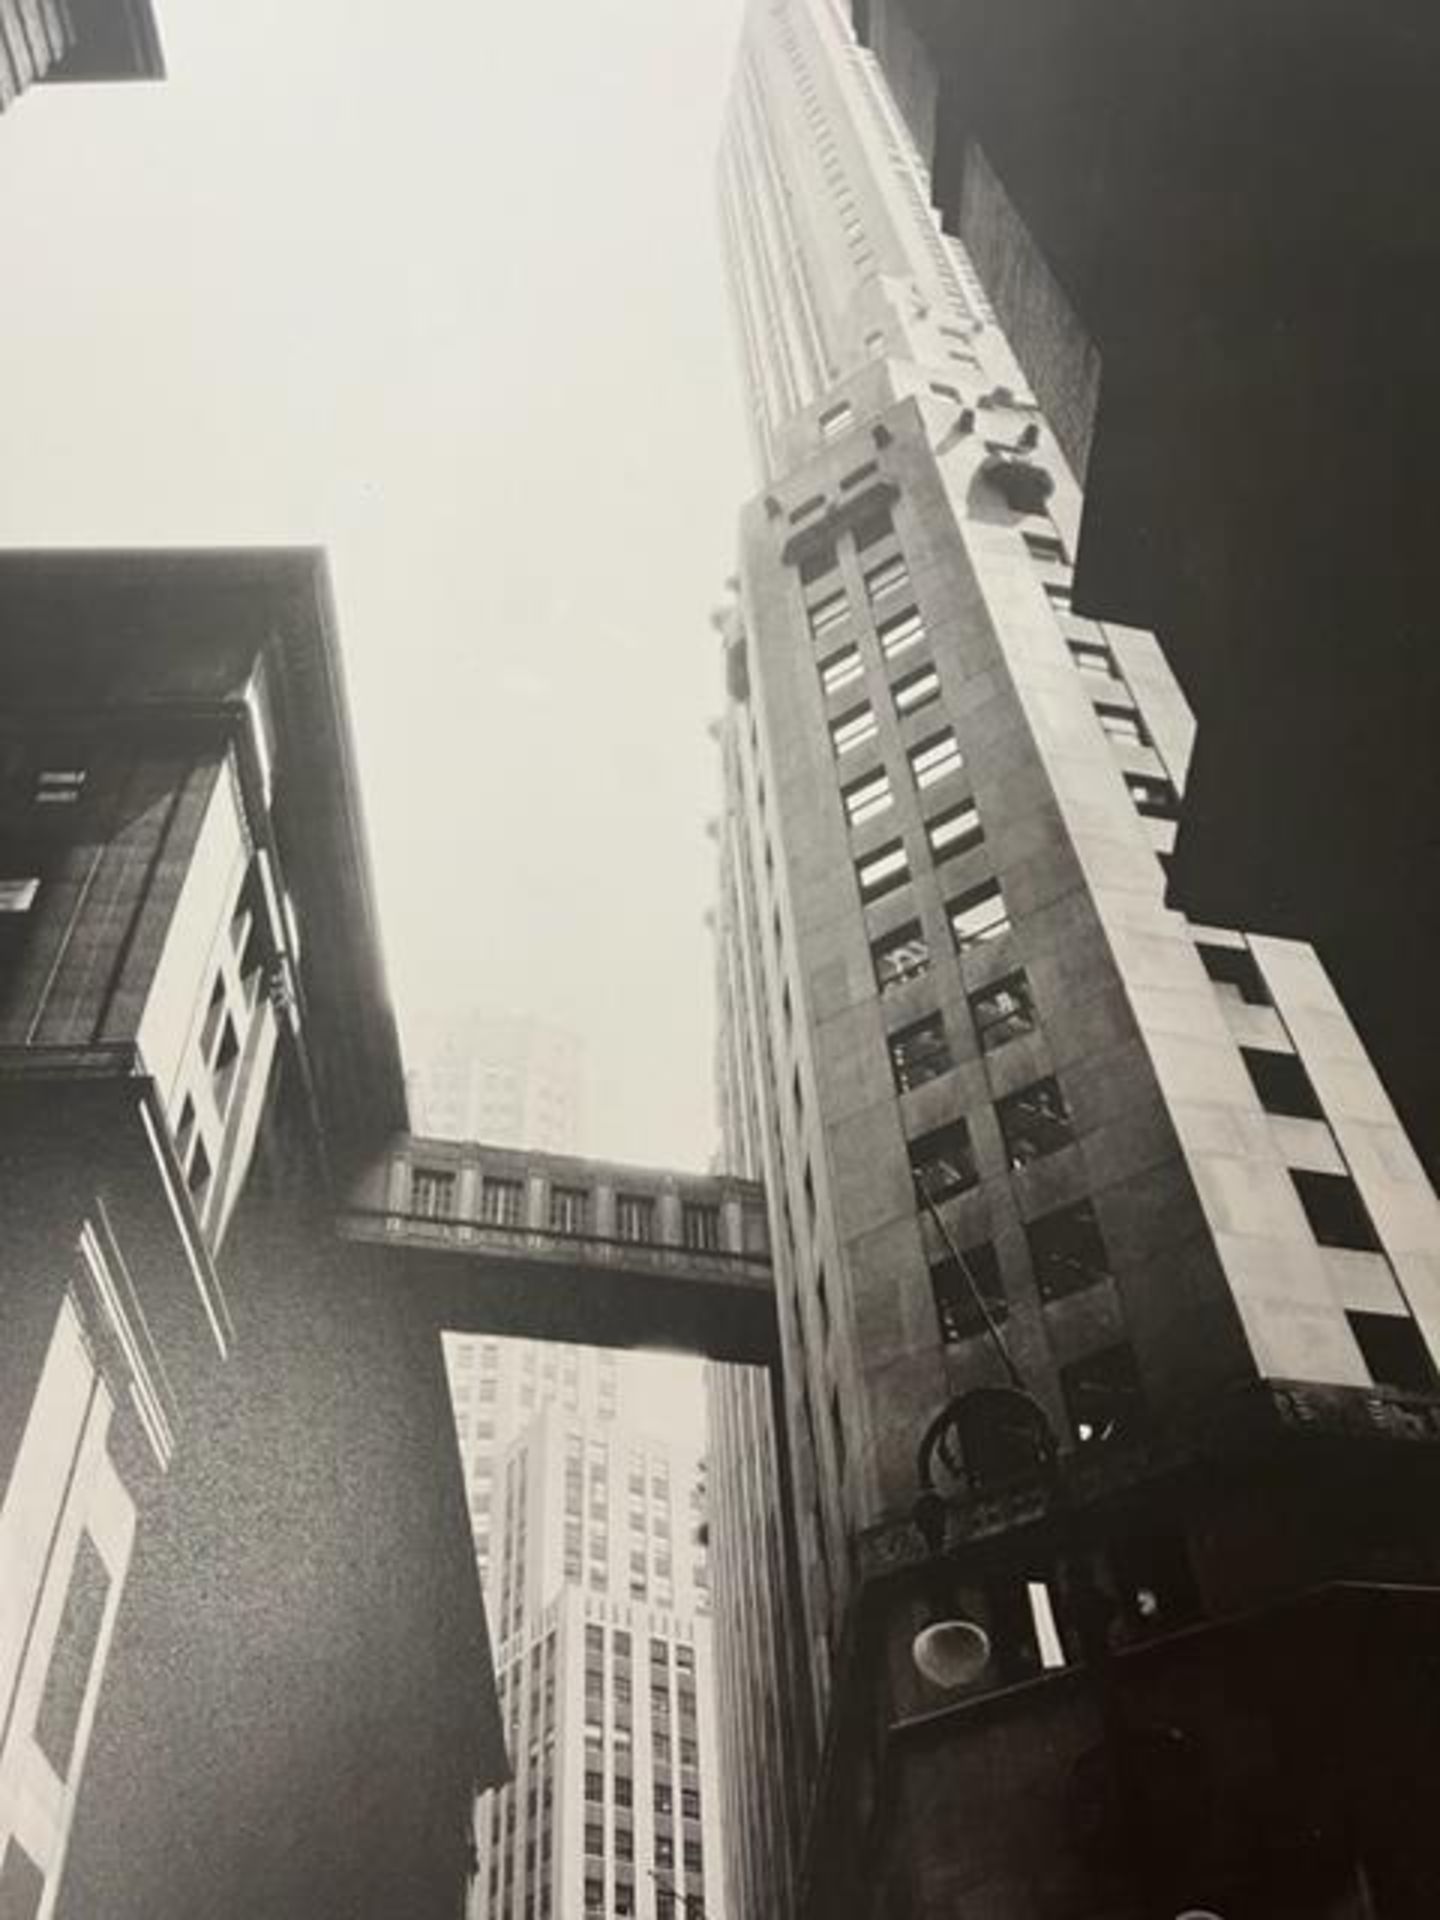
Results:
590 1537
504 1078
1109 1204
59 40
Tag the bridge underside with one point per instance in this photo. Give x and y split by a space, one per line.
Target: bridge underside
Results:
460 1288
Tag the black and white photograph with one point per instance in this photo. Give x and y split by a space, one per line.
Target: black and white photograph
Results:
719 1032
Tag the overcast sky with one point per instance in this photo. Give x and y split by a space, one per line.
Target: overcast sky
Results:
440 291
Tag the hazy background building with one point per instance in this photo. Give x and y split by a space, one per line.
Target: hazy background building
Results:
509 1079
1020 1120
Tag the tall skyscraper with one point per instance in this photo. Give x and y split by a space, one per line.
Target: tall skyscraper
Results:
1094 1223
591 1540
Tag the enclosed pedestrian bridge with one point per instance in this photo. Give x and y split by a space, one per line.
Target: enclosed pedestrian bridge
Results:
554 1247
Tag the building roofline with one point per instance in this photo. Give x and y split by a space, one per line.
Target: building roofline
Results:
277 602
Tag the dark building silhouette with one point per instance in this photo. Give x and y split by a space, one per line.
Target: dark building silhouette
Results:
1210 236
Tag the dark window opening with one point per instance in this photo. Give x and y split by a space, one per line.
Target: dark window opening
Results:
1103 1397
872 528
1337 1215
635 1217
816 565
943 1161
227 1059
882 871
900 956
1068 1251
1234 967
1154 797
919 1052
958 830
1034 1122
1282 1084
966 1290
197 1177
1003 1012
1394 1350
700 1226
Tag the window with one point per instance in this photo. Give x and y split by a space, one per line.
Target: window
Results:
873 528
816 564
916 690
900 956
635 1217
919 1052
946 392
594 1896
664 1800
807 508
1282 1084
966 1290
694 1858
887 578
1091 656
78 1635
690 1802
841 669
18 896
569 1209
1034 1122
934 758
827 614
1047 548
837 420
1337 1215
700 1226
943 1161
853 729
1154 797
1067 1251
1103 1397
977 915
858 474
594 1786
664 1850
1058 596
1003 1012
956 831
1234 967
197 1176
1121 723
432 1193
59 786
624 1790
866 797
1394 1350
502 1201
227 1059
899 634
214 1014
882 872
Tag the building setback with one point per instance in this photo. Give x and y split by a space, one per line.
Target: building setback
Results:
58 40
1116 1196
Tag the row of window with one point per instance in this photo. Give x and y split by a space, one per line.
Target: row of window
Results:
434 1193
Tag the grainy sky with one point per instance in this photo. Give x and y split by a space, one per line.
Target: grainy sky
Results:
439 290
